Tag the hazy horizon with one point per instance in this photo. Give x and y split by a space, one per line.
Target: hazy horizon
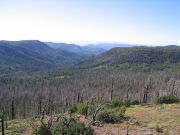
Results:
154 22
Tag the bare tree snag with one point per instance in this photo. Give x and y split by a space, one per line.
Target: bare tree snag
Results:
2 124
12 109
112 89
24 109
40 106
127 94
145 94
78 97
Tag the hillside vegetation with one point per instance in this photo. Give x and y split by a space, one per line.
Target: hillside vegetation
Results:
32 55
136 55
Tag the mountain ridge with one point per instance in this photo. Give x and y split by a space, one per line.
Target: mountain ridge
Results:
34 55
138 55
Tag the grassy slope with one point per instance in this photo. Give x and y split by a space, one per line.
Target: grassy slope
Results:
166 117
146 119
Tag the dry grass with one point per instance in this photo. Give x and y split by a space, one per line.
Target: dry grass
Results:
166 117
146 120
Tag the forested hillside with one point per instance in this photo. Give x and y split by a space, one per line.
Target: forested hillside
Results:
34 56
137 55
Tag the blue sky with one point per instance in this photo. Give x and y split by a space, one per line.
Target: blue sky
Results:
152 22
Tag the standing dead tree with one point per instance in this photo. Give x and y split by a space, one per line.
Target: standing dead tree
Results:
112 89
172 87
2 123
146 91
145 94
13 109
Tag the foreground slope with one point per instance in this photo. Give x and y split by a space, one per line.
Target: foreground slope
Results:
141 120
146 120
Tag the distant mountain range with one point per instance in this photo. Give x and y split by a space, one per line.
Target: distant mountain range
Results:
34 55
88 49
108 46
83 50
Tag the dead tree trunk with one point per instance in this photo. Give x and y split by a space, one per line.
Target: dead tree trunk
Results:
145 94
78 97
49 106
112 90
127 94
172 87
2 124
24 109
40 107
12 109
82 98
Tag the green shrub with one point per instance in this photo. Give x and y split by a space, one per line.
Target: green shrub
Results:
166 100
83 108
127 103
119 103
42 130
74 108
67 126
92 109
72 128
111 115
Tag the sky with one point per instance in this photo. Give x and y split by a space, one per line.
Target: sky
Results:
151 22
